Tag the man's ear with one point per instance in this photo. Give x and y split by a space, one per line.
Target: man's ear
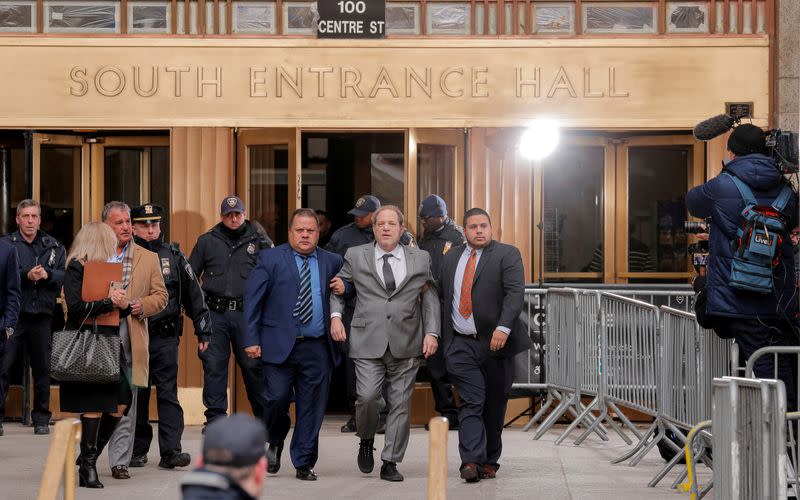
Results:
260 470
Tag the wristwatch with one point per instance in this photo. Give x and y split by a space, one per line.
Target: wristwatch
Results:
9 332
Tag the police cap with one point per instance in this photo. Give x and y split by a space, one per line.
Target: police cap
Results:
365 205
147 213
235 441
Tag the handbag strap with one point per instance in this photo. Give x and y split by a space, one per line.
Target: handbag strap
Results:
64 307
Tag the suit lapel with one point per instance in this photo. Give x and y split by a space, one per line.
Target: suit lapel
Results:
323 272
482 262
288 255
409 269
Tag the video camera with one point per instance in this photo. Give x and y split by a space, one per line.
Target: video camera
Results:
780 145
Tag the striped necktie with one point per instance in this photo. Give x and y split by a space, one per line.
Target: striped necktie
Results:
303 309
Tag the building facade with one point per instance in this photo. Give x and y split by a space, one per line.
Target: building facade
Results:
182 102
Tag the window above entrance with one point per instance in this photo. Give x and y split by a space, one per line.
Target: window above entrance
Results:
425 18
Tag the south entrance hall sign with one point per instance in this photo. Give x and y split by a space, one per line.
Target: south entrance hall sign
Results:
351 18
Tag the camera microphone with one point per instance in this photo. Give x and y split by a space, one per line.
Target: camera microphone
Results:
713 127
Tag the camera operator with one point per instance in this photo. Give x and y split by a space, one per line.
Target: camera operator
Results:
753 319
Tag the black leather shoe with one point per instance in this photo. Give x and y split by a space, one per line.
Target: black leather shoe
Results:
274 457
41 430
389 472
366 462
469 473
306 474
350 426
173 460
138 461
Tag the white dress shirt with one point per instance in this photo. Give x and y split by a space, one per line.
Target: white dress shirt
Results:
397 262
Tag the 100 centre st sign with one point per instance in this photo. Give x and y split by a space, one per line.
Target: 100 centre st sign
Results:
351 18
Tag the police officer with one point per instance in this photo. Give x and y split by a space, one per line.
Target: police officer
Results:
165 330
41 271
358 232
439 236
224 257
233 465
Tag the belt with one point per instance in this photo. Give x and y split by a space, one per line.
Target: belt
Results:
222 304
466 335
301 338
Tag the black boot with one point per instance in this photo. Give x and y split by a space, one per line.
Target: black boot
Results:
87 469
107 425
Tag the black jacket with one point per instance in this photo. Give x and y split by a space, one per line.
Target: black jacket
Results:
498 295
39 297
185 294
10 289
224 263
439 242
202 484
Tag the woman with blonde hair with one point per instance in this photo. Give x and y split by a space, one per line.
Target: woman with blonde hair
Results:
101 405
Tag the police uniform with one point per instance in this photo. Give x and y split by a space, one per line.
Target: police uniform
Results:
223 258
34 326
437 244
341 240
234 442
165 328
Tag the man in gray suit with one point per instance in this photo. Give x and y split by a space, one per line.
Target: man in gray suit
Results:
395 294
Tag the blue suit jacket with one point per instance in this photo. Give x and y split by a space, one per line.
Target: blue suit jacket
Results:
10 291
270 296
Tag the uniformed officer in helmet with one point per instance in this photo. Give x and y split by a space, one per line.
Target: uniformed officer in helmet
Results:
358 232
223 258
440 234
165 330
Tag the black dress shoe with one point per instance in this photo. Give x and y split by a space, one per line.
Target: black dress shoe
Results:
41 430
306 474
389 472
274 457
365 460
469 473
350 426
138 461
174 460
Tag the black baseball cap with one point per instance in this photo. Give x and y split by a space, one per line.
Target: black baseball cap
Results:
365 205
235 441
146 213
230 204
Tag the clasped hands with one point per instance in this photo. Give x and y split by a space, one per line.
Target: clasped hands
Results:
119 297
37 273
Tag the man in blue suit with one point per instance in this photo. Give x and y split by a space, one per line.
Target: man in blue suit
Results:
286 310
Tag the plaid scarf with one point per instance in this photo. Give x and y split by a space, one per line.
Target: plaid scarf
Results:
127 265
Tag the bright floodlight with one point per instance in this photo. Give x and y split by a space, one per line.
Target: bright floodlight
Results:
539 139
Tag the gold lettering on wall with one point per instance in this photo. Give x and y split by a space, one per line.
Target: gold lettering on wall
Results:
296 83
345 81
383 82
255 81
423 83
446 90
479 78
528 82
215 82
320 71
78 75
587 84
137 84
178 81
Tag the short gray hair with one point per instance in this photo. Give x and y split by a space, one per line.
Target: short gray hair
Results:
394 208
115 205
28 203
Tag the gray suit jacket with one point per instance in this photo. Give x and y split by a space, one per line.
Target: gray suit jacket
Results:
382 319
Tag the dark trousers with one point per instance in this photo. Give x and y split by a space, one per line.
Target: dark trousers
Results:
164 376
306 375
443 399
228 334
483 383
751 335
33 333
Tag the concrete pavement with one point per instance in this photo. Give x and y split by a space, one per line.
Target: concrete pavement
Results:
530 470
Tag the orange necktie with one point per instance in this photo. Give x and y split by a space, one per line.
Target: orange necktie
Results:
465 305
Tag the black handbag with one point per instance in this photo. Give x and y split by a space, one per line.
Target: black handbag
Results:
85 355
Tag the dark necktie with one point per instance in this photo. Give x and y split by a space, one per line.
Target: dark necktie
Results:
303 309
388 275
